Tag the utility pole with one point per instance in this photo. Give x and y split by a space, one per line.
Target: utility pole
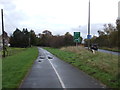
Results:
119 9
3 33
29 40
89 25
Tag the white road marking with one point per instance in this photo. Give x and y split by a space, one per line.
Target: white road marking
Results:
63 86
61 82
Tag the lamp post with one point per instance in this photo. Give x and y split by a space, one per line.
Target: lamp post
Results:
89 25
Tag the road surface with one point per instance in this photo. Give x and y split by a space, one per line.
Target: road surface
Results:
110 52
107 51
49 71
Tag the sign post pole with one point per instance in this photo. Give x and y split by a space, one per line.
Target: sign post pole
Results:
77 38
76 44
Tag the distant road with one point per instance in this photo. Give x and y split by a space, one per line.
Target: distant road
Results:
111 52
48 71
107 51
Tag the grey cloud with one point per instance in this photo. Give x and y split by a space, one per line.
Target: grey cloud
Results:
7 5
96 27
12 17
84 30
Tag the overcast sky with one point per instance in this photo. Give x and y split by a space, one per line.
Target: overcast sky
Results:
58 16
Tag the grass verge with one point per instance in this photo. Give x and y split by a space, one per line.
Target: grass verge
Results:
101 66
15 67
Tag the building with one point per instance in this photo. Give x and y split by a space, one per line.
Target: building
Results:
6 38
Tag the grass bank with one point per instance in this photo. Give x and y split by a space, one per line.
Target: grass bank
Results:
15 67
101 66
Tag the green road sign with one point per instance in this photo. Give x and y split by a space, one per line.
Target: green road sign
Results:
76 36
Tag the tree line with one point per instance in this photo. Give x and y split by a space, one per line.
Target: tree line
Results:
108 37
24 38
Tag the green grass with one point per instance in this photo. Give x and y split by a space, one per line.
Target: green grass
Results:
15 67
101 66
12 51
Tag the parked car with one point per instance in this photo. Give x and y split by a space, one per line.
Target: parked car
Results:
94 47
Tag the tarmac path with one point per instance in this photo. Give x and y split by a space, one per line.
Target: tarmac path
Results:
48 71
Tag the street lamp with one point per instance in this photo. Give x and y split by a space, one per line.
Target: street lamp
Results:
89 36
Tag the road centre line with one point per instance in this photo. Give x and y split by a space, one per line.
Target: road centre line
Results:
61 82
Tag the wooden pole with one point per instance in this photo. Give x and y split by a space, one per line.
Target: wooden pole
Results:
3 33
29 40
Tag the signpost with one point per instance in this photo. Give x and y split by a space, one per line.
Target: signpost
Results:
77 37
88 36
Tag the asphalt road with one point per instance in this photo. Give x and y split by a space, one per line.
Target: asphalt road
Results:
49 71
110 52
107 51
